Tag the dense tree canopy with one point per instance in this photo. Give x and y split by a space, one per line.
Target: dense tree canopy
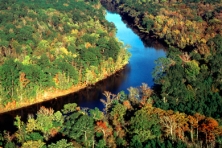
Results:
189 78
48 45
126 123
54 44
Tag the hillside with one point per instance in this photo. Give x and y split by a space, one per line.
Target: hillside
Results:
51 48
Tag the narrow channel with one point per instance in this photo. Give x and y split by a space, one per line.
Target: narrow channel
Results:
138 71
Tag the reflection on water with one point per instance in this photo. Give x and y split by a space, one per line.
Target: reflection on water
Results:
138 71
88 97
146 39
143 57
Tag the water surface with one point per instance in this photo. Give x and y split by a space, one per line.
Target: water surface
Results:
138 71
141 63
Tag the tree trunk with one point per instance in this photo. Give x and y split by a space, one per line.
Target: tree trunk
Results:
85 136
171 131
191 134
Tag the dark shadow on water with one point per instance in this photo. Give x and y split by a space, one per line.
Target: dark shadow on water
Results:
137 72
86 98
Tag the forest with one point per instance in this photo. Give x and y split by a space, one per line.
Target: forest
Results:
183 109
126 121
49 46
189 78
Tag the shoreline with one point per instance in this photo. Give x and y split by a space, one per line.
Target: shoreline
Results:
52 94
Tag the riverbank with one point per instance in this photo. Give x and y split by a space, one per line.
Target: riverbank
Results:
183 25
189 79
56 46
54 93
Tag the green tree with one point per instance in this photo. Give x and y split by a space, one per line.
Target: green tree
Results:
96 114
9 79
25 33
117 114
162 66
136 142
144 125
61 144
79 127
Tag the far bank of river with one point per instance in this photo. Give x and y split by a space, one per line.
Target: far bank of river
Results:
138 71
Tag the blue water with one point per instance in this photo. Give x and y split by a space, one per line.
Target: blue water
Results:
141 63
138 71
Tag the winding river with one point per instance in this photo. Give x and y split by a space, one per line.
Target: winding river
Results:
142 61
138 71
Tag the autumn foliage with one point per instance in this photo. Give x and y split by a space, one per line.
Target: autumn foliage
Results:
120 126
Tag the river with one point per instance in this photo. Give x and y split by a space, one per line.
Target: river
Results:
141 63
138 71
